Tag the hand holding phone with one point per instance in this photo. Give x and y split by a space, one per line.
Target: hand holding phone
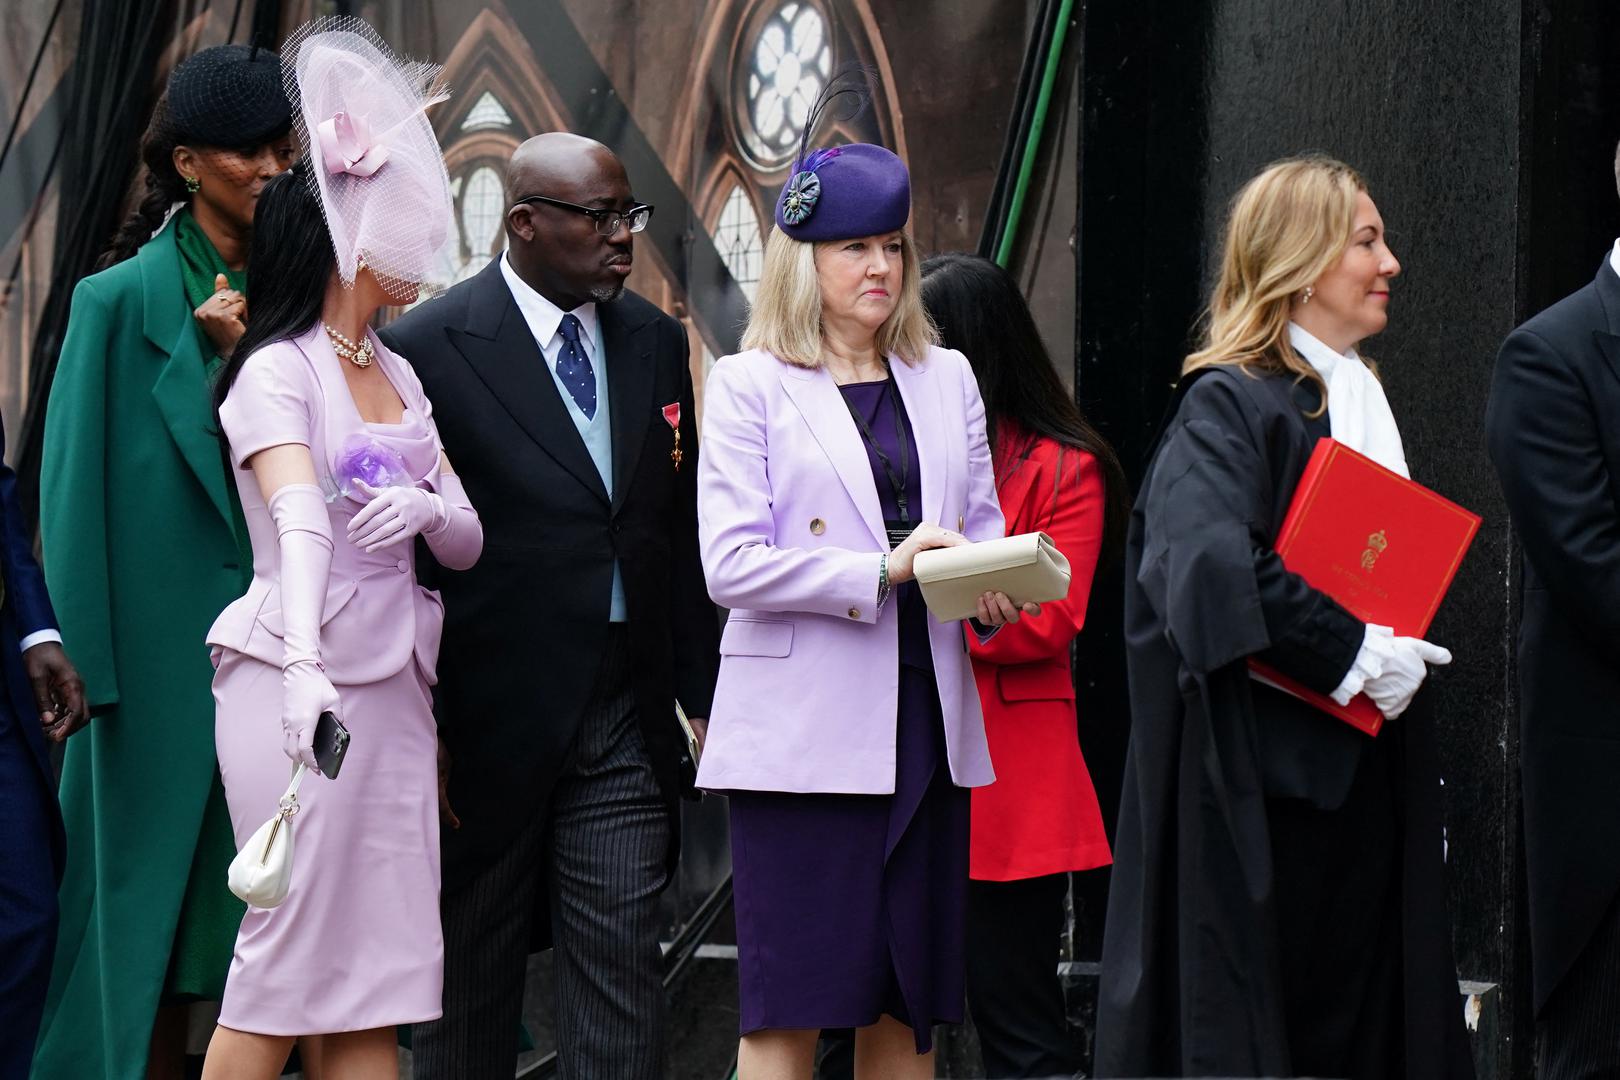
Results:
331 744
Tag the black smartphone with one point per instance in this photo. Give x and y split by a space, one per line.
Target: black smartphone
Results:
331 744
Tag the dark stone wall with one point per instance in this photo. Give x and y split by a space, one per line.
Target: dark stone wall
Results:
1486 133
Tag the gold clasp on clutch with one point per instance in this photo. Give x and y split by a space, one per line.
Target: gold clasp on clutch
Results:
289 807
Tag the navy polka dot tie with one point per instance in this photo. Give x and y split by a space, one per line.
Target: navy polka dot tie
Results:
574 365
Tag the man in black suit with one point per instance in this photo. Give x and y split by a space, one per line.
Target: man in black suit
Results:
565 404
1553 431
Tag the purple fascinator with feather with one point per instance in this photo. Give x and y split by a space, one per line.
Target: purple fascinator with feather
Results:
842 192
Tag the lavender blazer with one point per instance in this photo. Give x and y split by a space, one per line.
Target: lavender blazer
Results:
791 532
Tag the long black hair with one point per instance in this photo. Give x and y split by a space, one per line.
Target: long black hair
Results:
290 263
163 188
980 312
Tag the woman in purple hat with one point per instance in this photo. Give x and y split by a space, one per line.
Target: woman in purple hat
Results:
846 727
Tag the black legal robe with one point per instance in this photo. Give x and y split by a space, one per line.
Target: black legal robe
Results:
1227 781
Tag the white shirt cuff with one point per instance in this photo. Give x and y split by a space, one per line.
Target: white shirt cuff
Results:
39 637
1377 648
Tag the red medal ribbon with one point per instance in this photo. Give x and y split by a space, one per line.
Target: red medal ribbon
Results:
672 416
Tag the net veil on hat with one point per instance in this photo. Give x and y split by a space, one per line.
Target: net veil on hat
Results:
360 114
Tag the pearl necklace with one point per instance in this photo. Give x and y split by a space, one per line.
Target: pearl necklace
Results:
359 354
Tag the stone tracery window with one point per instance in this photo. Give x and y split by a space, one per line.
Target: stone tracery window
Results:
738 236
787 66
482 204
487 112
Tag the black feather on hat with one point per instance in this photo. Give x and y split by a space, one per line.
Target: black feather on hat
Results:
229 96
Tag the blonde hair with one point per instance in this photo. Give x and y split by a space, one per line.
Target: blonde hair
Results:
786 316
1288 226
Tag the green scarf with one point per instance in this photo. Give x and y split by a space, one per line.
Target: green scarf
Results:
205 936
200 264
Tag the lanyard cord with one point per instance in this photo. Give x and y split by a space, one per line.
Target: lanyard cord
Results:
897 482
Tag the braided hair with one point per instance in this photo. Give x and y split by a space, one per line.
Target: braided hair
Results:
163 187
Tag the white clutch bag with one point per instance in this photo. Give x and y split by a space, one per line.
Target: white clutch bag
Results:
1027 567
261 873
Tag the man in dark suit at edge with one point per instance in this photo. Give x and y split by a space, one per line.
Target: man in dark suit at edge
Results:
565 404
41 696
1553 432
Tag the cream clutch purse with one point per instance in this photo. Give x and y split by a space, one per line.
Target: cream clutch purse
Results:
1027 567
261 873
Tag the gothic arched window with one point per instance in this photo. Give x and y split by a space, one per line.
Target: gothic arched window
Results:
787 66
482 204
741 244
487 112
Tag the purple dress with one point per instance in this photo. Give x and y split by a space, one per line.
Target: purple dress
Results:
357 943
853 906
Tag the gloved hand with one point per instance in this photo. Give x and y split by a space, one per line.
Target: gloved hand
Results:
395 514
306 692
1404 670
305 535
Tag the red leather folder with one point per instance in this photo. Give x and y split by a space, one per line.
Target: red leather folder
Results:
1384 547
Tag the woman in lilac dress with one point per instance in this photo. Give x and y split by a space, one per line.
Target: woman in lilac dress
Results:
339 467
846 726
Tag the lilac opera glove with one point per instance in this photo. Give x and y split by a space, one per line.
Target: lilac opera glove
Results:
394 514
305 534
457 543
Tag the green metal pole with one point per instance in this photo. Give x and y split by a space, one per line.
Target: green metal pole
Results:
1032 145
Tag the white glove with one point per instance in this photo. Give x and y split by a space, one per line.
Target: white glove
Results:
1405 669
395 514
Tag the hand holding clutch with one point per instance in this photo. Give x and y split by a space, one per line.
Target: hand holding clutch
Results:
923 538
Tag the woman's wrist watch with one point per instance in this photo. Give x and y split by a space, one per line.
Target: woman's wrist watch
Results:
884 587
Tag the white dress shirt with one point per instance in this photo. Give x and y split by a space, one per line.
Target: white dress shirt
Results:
545 321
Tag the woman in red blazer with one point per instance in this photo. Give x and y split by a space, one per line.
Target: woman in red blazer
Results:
1039 821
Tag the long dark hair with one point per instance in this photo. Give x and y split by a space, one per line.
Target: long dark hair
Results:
163 188
290 263
981 312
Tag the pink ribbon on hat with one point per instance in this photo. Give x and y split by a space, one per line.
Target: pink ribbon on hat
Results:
347 145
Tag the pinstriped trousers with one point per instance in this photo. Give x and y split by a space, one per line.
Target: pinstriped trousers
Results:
599 844
1579 1031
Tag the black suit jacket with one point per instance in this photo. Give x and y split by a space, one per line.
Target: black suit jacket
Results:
1553 432
525 627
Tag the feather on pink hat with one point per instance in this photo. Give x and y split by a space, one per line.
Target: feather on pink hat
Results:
360 113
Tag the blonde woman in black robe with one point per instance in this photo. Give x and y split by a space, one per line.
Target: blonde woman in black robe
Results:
1278 901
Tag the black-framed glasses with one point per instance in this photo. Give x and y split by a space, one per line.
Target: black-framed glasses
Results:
607 221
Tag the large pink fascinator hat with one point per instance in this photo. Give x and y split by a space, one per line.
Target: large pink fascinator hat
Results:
361 116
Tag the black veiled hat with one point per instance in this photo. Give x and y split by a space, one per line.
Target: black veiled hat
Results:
229 95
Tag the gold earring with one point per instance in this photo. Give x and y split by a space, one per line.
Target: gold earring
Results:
193 184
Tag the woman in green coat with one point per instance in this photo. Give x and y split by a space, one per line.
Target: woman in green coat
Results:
144 545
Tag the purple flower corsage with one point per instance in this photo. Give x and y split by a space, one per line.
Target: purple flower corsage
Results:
363 459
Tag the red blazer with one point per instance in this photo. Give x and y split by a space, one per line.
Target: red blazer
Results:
1040 816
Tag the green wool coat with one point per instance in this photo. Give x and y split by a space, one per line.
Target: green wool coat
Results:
140 557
